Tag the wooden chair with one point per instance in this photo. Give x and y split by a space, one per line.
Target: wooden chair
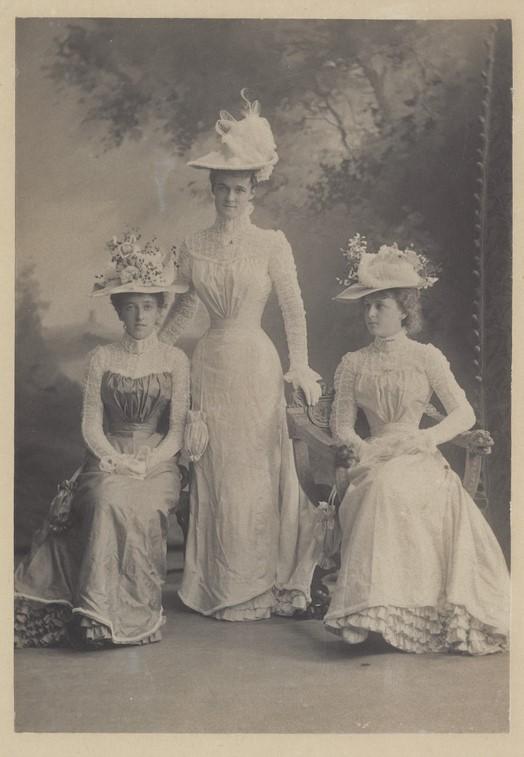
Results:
315 448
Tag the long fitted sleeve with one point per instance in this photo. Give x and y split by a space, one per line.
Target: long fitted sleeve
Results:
179 405
185 306
460 416
283 274
93 409
135 359
344 409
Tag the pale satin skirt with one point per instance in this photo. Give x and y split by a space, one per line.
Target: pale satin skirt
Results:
419 562
109 568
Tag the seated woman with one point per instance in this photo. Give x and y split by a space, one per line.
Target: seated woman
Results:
100 581
419 563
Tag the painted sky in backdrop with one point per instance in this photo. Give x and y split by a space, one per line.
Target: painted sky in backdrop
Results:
71 197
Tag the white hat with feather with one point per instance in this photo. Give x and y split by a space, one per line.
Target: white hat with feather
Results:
246 144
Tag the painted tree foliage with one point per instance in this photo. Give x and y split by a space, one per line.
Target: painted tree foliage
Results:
375 120
377 126
48 444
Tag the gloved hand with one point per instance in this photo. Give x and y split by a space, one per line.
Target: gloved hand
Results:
346 456
135 466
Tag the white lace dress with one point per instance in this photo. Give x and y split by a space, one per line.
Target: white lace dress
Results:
419 563
250 550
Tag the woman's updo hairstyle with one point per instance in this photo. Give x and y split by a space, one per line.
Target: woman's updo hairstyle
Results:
118 299
408 299
409 302
213 173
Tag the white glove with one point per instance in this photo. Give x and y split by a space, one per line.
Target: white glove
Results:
307 380
135 466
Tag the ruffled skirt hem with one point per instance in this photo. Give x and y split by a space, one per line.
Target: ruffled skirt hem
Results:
37 625
92 633
283 602
51 624
450 628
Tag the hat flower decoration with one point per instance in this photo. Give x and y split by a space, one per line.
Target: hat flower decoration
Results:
388 268
136 267
247 144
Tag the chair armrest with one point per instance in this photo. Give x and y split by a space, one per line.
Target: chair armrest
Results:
476 442
310 440
317 440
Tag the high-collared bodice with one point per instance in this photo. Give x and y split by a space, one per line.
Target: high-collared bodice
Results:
231 267
136 385
230 271
392 380
139 388
392 385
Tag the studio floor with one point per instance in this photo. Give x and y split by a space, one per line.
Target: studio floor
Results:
277 676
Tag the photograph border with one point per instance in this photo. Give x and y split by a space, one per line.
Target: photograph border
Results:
405 745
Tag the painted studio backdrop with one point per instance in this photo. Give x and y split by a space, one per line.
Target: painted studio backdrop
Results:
398 130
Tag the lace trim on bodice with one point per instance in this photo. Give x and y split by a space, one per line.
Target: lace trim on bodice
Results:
226 245
394 344
399 360
231 228
139 346
136 359
227 241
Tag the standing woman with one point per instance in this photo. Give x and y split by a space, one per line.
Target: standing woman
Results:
250 547
99 582
419 563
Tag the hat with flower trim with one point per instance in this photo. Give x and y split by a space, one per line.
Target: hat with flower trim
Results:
389 268
143 269
246 144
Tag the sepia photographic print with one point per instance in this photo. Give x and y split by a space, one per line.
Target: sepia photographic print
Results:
263 361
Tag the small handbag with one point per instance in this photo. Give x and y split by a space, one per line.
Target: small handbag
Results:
196 434
327 530
59 516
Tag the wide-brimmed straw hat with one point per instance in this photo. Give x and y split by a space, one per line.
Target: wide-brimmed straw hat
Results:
389 268
246 144
138 269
